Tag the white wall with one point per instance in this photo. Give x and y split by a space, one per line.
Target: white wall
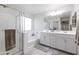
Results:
39 24
7 18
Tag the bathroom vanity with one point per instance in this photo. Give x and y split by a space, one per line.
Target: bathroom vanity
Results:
61 33
61 40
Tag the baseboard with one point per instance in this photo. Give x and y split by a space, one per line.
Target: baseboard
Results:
19 53
58 49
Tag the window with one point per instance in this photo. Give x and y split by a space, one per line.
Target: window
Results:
26 23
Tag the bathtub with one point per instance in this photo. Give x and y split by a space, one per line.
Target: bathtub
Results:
30 41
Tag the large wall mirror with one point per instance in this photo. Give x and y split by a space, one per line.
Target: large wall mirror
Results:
64 22
60 22
55 25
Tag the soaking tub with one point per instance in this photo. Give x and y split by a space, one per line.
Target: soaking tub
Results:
30 40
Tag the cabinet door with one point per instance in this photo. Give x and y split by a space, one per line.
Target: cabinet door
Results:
60 42
71 45
52 40
45 39
42 40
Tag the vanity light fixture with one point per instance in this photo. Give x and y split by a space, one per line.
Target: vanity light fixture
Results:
54 13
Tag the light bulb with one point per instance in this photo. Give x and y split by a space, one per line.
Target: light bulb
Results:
56 13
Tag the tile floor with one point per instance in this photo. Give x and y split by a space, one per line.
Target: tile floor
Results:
42 50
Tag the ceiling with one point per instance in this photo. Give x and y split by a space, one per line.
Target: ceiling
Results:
39 8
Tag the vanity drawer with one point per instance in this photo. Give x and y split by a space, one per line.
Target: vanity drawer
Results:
70 36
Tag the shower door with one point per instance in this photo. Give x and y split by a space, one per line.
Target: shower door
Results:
8 31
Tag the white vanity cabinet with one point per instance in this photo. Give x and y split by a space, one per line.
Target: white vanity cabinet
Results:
71 44
52 40
45 39
65 42
60 42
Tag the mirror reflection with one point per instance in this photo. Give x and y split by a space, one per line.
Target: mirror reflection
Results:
61 22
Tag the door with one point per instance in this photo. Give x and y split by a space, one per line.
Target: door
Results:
8 21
